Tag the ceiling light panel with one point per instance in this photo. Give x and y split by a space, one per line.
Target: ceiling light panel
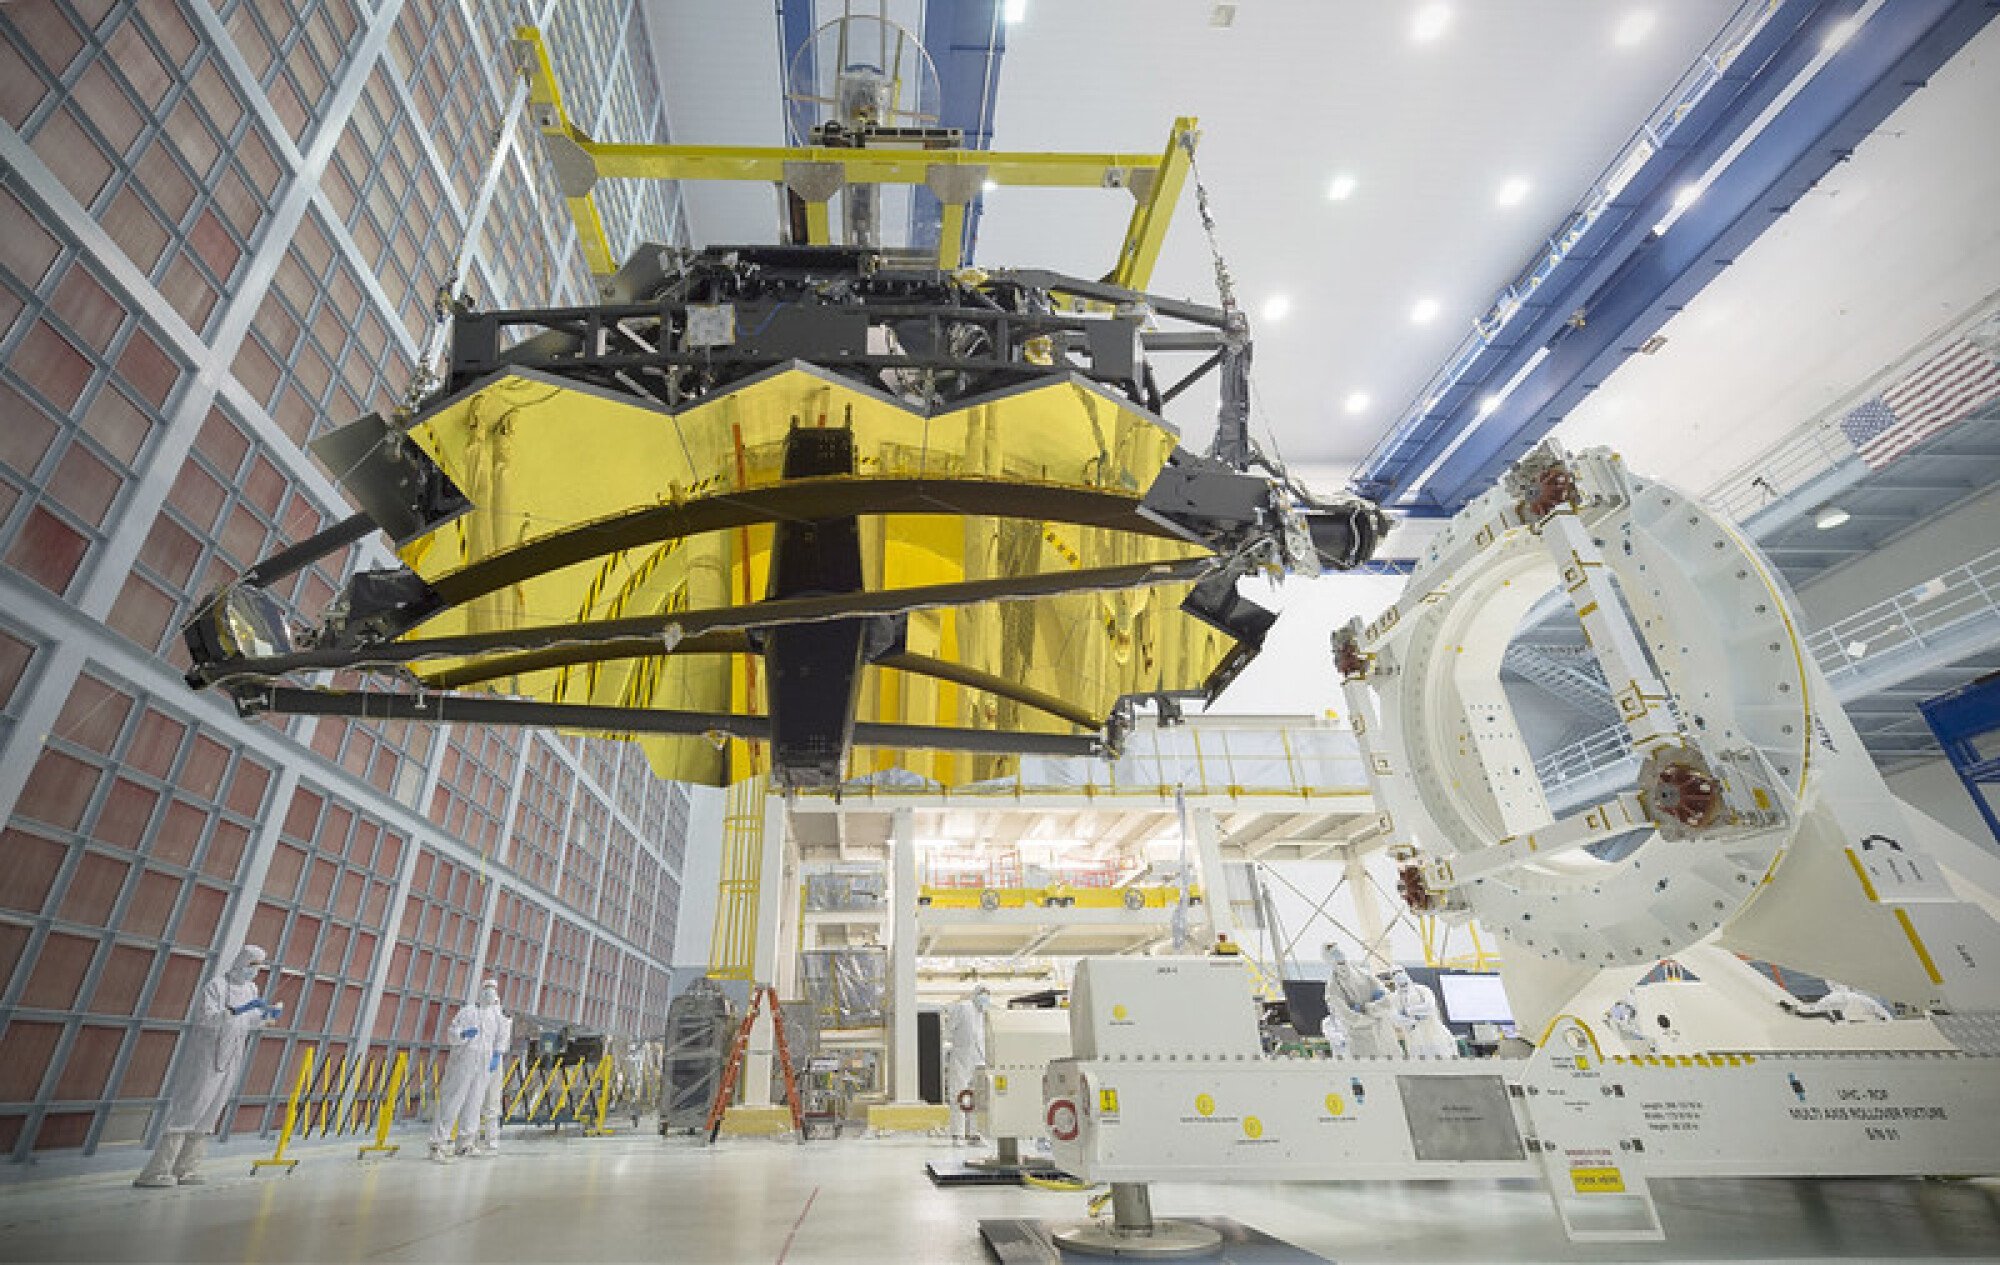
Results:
1633 28
1430 22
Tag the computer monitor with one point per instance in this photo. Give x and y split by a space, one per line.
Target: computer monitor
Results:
1306 1000
1473 998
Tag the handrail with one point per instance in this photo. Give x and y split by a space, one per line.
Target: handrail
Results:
1912 619
1818 444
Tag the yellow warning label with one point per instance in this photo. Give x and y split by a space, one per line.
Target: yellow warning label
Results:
1118 1012
999 1084
1204 1104
1107 1102
1253 1127
1597 1181
1335 1104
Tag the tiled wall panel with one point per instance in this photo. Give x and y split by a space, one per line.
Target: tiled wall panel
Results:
227 227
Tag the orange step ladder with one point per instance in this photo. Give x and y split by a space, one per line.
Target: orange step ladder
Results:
740 1047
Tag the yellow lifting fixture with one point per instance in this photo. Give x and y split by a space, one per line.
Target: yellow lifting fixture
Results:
816 174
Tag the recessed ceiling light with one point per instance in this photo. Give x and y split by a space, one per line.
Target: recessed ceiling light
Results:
1341 189
1357 402
1634 27
1829 517
1487 405
1430 22
1855 649
1839 33
1687 194
1424 312
1512 192
1276 307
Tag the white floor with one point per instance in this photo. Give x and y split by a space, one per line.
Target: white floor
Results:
637 1197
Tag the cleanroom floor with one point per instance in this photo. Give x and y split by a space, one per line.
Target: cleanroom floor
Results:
636 1196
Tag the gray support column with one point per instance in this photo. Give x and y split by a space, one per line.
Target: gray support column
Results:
555 883
1222 920
903 957
55 668
493 882
1367 911
263 845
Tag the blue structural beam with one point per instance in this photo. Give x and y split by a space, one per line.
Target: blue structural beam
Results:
1602 235
1966 722
967 39
1619 281
795 29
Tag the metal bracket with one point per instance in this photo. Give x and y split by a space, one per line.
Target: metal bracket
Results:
815 181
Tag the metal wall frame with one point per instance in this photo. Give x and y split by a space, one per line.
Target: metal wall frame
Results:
300 104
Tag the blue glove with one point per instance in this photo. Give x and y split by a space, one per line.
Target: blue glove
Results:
467 1034
493 1064
255 1003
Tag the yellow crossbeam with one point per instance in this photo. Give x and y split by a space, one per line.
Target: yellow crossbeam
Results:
1155 180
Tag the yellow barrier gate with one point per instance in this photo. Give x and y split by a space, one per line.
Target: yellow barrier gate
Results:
553 1095
335 1097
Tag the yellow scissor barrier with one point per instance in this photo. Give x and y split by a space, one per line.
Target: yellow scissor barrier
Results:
338 1096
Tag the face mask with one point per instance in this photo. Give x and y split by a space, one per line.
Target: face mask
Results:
488 997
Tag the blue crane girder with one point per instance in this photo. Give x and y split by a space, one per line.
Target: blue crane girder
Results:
967 39
1620 282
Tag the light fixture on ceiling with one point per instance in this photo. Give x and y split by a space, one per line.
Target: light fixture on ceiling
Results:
1828 517
1513 192
1683 199
1839 33
1424 312
1276 307
1357 402
1341 189
1855 649
1487 405
1430 22
1635 26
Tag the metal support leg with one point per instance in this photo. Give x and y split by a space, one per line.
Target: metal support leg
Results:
1134 1233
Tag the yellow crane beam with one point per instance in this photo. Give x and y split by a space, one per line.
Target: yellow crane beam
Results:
816 173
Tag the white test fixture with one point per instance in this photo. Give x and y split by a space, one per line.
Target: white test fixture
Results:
1007 1089
1759 826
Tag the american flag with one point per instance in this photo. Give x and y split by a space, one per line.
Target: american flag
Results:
1948 387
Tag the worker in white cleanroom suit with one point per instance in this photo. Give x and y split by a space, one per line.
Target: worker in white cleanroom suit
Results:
1422 1028
965 1033
228 1010
464 1088
1844 1005
1357 1003
502 1030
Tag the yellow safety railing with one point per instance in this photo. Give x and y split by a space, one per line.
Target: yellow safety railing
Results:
335 1097
559 1094
385 1109
299 1085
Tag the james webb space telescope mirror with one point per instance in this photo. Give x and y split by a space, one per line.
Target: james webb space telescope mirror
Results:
803 498
764 505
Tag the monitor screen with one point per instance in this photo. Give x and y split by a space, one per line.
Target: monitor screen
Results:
1474 999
